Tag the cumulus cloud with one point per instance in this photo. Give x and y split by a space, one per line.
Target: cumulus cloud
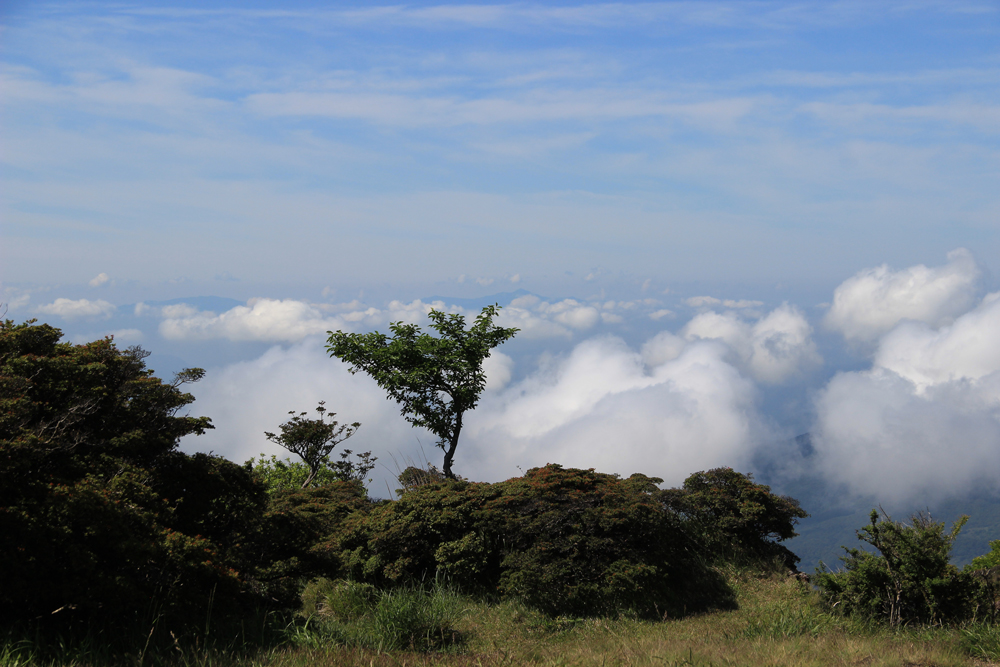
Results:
604 407
288 320
99 280
874 301
968 349
772 349
925 418
541 319
79 308
260 320
248 398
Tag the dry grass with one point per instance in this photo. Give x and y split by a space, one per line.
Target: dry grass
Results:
779 623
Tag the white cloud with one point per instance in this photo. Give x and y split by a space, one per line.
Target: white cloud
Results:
247 398
540 319
874 301
701 301
260 320
603 407
287 320
72 309
878 435
772 349
99 280
968 349
924 421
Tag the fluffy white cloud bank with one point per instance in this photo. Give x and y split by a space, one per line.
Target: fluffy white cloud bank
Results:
248 398
71 309
289 321
772 350
603 405
875 300
260 320
924 421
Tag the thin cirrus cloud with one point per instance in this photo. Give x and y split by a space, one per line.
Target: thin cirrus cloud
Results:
520 17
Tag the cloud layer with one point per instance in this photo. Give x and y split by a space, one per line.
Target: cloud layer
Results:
924 421
873 301
676 405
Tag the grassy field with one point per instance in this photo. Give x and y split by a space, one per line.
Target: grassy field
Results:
779 623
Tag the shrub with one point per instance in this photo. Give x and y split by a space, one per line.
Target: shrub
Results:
565 541
297 527
101 516
907 579
732 518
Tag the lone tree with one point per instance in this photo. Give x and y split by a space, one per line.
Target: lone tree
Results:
434 379
312 439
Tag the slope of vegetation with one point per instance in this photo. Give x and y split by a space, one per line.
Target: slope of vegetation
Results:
118 549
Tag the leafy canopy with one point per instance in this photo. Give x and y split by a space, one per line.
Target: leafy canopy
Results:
313 439
435 379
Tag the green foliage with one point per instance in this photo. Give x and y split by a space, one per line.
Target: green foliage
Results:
732 518
435 379
353 613
101 516
285 474
906 579
298 529
986 561
314 439
565 541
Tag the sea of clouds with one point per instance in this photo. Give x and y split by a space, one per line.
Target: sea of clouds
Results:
920 417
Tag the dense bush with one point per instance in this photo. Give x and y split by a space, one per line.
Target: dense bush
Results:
297 529
731 517
101 516
566 541
906 579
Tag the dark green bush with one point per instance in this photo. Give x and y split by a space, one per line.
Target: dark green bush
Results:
907 579
565 541
297 528
732 518
101 516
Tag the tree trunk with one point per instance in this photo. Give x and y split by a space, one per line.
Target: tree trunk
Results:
449 454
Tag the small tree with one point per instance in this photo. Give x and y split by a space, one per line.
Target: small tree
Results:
435 379
907 579
313 439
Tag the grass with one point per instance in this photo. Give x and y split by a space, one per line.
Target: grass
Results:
779 623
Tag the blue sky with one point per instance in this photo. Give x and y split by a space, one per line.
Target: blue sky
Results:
713 171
